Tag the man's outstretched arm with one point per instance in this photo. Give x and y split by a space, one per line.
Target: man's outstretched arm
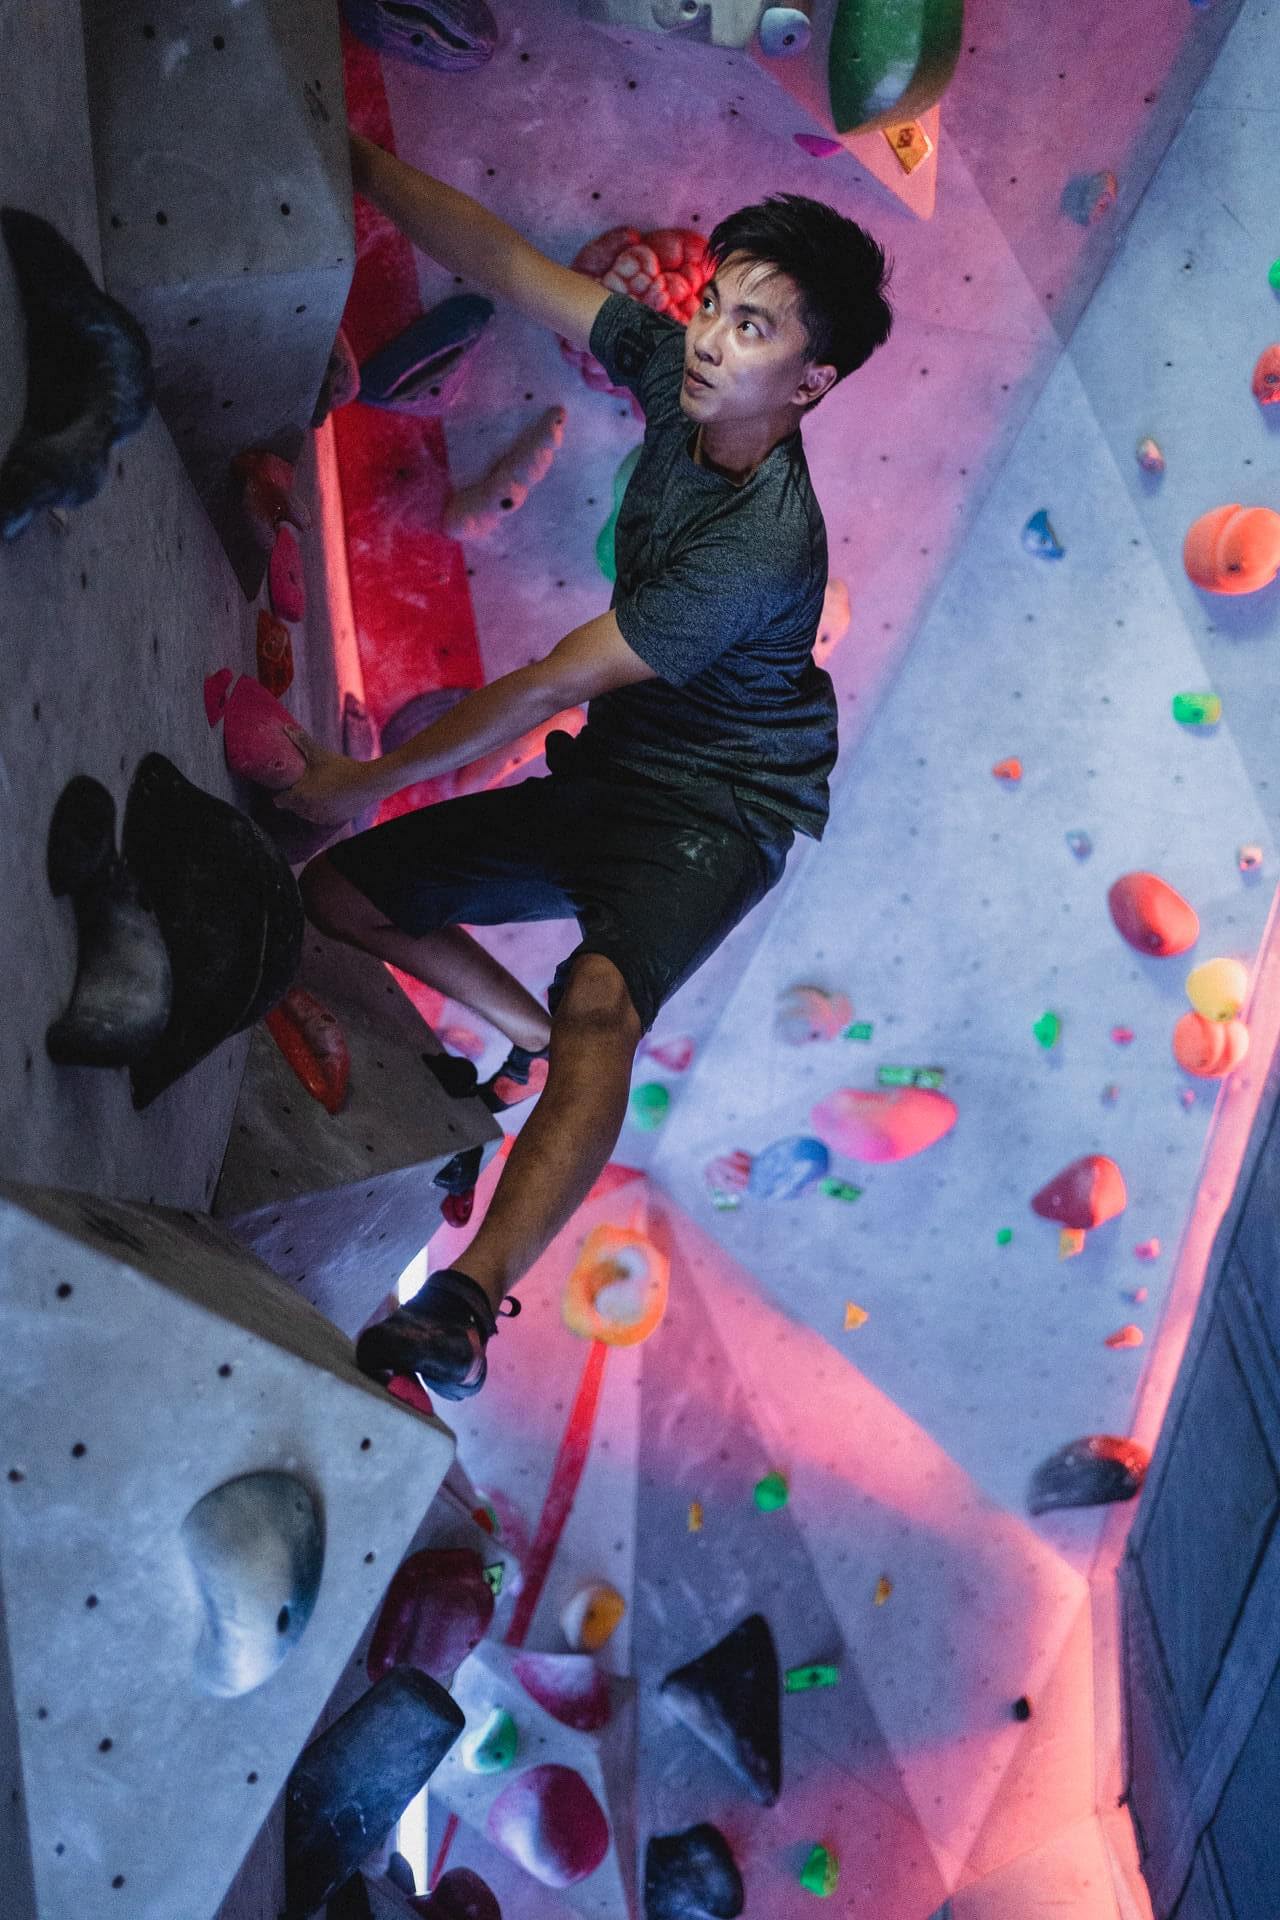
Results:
591 660
465 237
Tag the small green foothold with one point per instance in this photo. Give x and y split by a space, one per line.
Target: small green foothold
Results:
649 1105
895 1076
605 543
1047 1028
860 1030
1003 1236
930 1076
771 1492
493 1577
840 1189
820 1873
805 1679
1197 709
1273 275
492 1748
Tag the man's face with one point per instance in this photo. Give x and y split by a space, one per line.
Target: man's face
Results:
746 352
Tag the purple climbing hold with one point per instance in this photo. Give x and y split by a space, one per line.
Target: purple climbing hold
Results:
730 1697
352 1783
569 1686
550 1823
417 713
1089 1473
453 36
692 1876
420 371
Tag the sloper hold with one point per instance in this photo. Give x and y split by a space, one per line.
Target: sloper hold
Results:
256 1547
888 64
350 1785
692 1876
730 1697
1084 1195
550 1823
1090 1472
89 376
229 910
419 372
1151 915
452 36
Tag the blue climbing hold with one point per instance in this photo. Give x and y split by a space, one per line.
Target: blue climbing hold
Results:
1039 537
788 1168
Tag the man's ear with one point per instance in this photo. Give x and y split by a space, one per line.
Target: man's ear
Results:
816 381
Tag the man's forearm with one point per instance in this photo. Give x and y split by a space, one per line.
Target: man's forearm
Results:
450 226
492 716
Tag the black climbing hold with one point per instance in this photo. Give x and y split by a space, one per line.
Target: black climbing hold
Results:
349 1786
730 1697
1022 1708
461 1895
457 1077
89 377
1088 1473
228 907
691 1876
121 1000
460 1174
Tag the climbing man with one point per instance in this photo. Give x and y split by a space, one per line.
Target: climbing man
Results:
710 732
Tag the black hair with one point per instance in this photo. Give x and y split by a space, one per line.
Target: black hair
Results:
842 273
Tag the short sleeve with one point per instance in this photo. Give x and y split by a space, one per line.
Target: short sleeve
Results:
636 347
685 617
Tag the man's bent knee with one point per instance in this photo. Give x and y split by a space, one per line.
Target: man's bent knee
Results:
597 997
331 902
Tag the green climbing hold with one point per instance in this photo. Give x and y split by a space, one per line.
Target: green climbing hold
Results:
1047 1029
929 1077
1003 1236
604 543
1273 275
493 1577
895 1076
1197 709
649 1105
805 1679
860 1030
492 1748
820 1873
840 1189
888 64
771 1492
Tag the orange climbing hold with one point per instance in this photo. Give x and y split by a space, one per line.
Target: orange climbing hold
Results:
1233 549
1129 1336
1010 770
1210 1049
275 654
1266 376
617 1291
312 1041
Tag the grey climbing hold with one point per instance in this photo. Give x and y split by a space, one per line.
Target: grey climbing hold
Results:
256 1548
692 1876
1089 1472
730 1697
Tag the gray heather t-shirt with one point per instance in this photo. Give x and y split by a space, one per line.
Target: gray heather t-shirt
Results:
719 590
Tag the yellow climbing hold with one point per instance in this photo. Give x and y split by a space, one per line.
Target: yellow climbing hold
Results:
884 1587
1070 1242
695 1516
854 1316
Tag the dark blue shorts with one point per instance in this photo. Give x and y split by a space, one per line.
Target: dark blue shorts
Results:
656 875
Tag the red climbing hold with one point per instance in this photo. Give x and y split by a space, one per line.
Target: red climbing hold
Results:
437 1611
1151 915
1084 1194
550 1823
570 1686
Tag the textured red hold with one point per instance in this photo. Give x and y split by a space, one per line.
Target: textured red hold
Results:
570 1686
550 1823
1151 915
437 1610
1084 1194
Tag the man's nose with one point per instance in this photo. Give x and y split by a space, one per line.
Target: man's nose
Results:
707 344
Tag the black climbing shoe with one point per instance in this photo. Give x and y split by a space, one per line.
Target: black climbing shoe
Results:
439 1336
89 376
121 1000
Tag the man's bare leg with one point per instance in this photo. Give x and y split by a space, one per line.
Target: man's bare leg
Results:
566 1141
449 960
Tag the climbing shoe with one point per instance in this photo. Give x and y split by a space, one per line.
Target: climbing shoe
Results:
438 1337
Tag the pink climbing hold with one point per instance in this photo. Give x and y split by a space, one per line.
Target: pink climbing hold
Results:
284 578
1127 1336
570 1686
817 144
675 1055
550 1823
1147 1250
1151 915
411 1392
1084 1194
889 1123
665 270
437 1610
807 1014
255 740
216 688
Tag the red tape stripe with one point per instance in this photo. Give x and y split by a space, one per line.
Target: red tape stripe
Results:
566 1476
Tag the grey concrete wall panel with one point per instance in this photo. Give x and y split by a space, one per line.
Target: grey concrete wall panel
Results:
339 1204
150 1360
224 195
